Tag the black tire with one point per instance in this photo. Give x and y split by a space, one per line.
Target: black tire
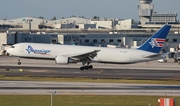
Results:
86 67
81 68
90 67
19 63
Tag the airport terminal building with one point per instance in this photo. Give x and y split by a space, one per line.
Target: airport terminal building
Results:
78 30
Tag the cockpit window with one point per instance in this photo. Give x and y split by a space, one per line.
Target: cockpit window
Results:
12 46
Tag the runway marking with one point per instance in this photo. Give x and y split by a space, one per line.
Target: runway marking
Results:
69 92
100 71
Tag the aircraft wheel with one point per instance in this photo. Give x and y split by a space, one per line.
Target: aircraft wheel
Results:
86 67
19 63
81 68
90 67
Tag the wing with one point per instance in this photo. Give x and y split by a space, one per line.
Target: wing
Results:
85 55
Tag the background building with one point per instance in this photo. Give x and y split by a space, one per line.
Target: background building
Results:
96 31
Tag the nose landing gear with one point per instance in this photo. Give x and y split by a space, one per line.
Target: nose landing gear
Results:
19 62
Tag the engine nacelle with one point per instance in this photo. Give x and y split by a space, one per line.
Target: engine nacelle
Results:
64 60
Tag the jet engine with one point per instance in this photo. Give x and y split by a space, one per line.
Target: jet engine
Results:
64 60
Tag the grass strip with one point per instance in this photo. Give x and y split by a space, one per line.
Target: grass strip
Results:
56 79
89 100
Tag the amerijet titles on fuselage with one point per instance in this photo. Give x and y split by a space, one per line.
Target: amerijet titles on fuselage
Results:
37 51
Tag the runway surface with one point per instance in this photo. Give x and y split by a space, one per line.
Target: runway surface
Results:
78 88
42 68
96 73
152 70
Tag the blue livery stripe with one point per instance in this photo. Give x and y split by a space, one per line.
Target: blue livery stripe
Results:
156 42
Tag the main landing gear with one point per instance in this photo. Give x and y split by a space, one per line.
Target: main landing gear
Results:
86 67
19 62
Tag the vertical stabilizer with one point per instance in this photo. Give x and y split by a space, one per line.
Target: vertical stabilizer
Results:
156 42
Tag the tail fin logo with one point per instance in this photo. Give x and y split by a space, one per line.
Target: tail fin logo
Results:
157 42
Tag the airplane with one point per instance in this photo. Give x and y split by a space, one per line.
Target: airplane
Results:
66 54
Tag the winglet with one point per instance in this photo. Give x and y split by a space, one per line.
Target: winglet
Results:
156 42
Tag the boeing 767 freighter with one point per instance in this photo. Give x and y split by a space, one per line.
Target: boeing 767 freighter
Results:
65 54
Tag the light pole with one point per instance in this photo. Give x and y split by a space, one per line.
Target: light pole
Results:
67 26
52 97
29 22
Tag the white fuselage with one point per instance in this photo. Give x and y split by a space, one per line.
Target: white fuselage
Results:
105 55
